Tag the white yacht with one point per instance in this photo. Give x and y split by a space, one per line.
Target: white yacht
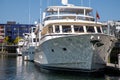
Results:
27 45
71 39
19 48
28 49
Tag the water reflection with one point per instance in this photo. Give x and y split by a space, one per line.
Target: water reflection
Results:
6 72
14 68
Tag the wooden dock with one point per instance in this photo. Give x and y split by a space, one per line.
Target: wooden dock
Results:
8 54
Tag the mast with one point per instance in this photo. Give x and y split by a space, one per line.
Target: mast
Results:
29 16
89 3
39 25
81 2
40 11
47 2
29 12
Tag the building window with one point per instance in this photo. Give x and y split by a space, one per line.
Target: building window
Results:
15 29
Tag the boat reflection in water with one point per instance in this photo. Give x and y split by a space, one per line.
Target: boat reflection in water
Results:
13 68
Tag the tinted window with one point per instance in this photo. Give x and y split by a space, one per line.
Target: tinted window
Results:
34 40
78 28
90 29
98 30
66 28
57 30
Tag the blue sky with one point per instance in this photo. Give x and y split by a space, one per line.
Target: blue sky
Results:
28 11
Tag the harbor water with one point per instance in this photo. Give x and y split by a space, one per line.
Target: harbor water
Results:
14 68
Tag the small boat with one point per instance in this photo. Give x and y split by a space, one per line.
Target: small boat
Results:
27 45
19 48
72 40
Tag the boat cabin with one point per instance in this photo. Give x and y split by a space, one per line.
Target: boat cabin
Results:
70 29
69 20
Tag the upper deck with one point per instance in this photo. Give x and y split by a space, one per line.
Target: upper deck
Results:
68 12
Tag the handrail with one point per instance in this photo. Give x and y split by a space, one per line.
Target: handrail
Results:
69 16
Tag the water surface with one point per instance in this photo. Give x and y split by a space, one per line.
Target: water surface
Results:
14 68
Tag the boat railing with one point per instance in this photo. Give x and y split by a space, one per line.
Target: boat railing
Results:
69 16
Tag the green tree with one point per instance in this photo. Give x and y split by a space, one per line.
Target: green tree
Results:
17 40
6 39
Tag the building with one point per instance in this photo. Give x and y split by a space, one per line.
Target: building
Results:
2 33
13 30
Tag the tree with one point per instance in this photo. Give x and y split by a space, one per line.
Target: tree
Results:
17 39
6 39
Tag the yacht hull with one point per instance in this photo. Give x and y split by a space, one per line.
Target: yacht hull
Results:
86 52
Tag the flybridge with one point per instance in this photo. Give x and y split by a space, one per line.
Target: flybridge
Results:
65 12
68 11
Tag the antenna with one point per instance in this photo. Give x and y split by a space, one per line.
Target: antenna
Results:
47 2
29 15
64 2
81 2
89 3
40 10
29 11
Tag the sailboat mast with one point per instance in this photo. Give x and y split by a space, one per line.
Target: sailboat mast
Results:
89 3
40 22
29 16
40 10
29 12
81 2
47 2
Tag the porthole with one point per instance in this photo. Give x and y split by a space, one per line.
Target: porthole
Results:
64 49
52 50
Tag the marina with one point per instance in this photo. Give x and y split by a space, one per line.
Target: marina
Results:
68 42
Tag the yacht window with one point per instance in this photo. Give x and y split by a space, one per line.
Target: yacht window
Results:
78 28
66 28
104 29
50 29
90 29
57 29
98 30
36 40
34 29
